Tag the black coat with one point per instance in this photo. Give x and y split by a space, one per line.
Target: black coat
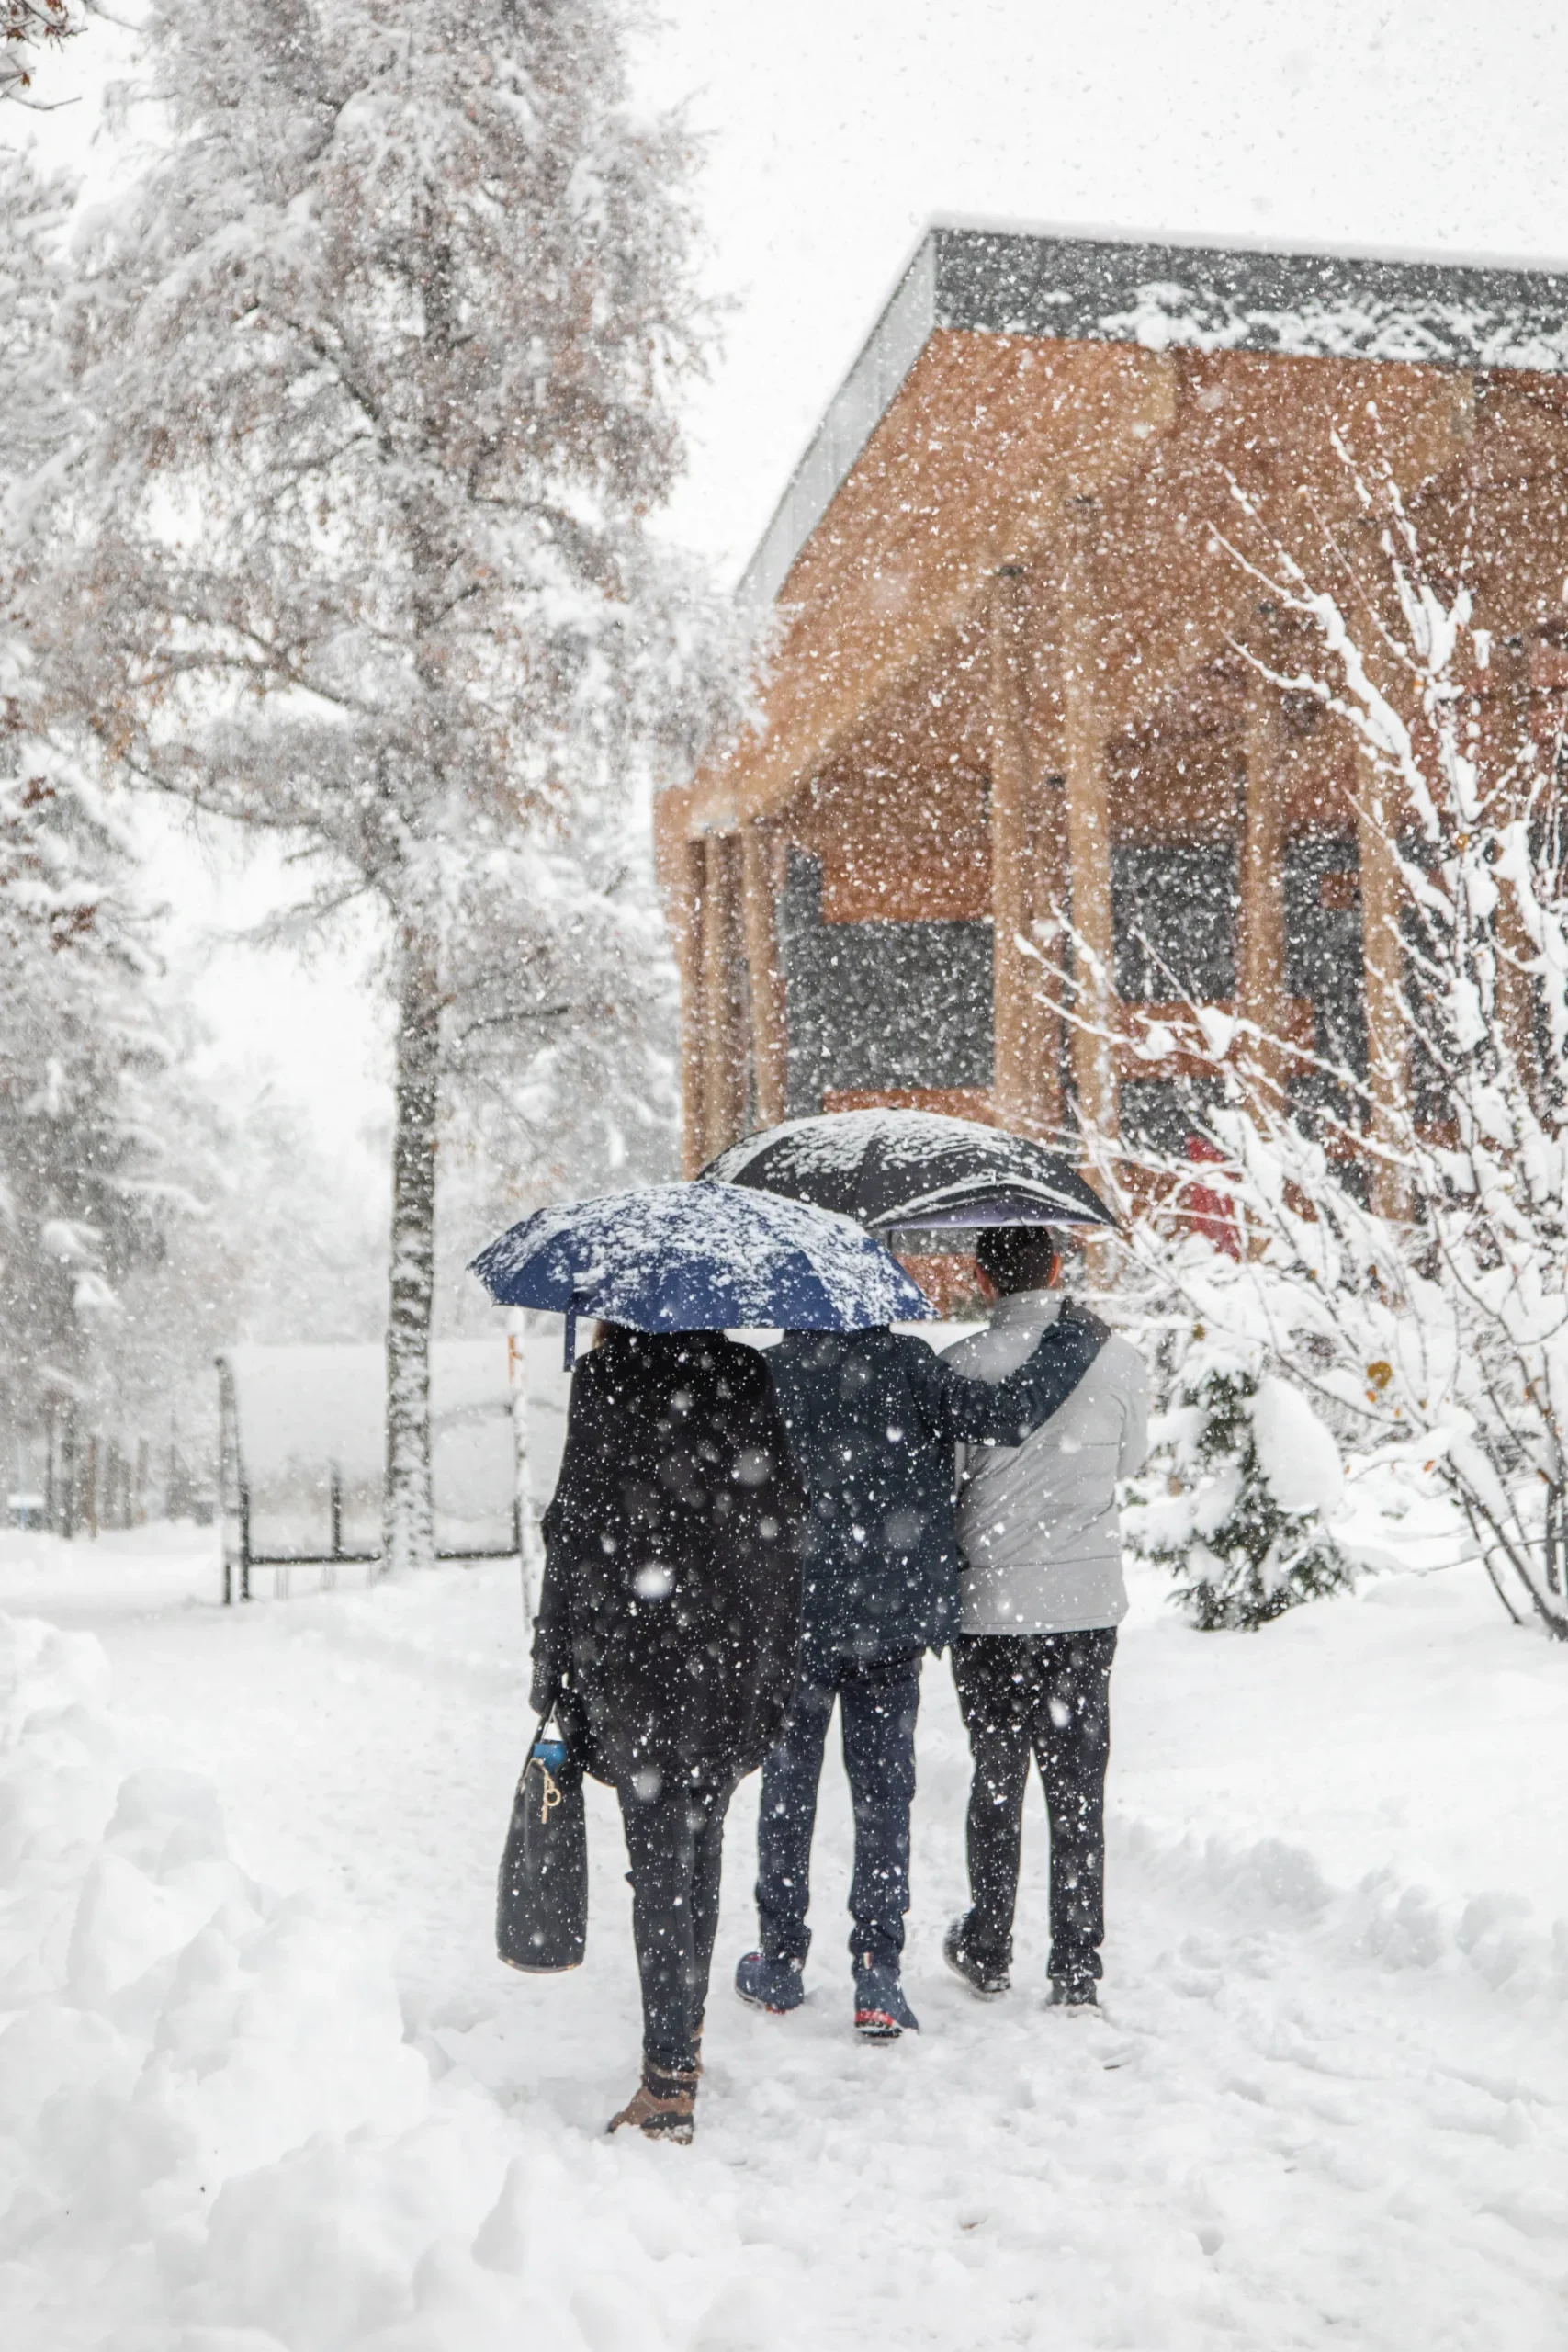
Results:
873 1420
670 1618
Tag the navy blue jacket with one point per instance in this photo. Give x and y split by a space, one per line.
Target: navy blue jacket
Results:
874 1418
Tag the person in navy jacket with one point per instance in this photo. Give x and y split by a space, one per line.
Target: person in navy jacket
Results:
874 1420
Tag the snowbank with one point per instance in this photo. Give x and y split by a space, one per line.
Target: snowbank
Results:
209 2117
1324 2106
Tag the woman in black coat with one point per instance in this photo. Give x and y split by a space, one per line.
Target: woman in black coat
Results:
666 1641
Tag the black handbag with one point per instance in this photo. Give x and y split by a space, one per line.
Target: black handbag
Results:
541 1908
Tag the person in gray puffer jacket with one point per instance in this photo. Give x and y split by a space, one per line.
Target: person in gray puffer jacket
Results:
1042 1596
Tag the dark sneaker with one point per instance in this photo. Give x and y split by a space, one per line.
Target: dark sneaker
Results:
984 1978
882 2013
775 1985
1072 1993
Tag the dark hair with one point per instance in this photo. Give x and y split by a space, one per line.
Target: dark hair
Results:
1017 1257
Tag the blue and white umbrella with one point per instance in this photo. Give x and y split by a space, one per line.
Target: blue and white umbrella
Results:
710 1257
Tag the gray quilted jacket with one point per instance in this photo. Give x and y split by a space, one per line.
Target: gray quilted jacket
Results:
1037 1523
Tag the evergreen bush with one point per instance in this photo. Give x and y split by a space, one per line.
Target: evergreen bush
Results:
1234 1451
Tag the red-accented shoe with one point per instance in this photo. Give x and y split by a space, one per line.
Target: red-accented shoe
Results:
882 2013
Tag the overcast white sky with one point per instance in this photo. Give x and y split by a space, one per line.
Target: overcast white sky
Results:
837 129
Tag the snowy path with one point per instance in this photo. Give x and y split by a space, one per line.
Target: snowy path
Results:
1317 2111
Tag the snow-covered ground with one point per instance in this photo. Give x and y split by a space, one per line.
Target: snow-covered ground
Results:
1324 2106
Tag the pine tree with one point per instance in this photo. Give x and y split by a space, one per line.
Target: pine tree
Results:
1221 1525
85 1195
381 360
85 1192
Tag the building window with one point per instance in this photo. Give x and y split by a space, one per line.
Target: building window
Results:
1174 908
871 1006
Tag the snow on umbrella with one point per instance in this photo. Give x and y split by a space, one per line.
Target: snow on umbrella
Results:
913 1167
699 1258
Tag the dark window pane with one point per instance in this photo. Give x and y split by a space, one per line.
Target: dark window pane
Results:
1158 1115
1174 906
1323 954
879 1004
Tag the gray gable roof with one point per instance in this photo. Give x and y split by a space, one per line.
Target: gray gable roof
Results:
1162 297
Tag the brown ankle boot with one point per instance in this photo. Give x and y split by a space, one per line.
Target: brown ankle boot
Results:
663 2107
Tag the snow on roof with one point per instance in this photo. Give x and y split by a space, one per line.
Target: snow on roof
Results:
1106 289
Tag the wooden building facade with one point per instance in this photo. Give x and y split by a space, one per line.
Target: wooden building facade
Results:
1011 674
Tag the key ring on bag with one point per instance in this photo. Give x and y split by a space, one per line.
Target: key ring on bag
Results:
551 1794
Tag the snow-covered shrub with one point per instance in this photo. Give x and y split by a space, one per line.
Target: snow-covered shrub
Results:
1241 1477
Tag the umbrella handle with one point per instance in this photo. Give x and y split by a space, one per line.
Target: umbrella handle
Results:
572 1312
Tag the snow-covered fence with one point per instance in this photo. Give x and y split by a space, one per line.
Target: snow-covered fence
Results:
303 1450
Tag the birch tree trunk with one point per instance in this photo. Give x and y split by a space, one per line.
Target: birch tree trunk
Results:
408 1520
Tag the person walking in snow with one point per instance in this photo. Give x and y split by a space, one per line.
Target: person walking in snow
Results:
1042 1595
666 1642
873 1419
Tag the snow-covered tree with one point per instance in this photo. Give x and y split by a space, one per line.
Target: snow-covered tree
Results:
271 1244
84 1189
34 407
381 358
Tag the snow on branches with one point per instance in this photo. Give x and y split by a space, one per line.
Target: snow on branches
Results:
1398 1234
27 27
83 1200
381 362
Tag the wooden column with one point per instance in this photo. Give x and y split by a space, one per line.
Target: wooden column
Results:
1382 964
1088 830
1260 945
723 995
1500 707
1024 1089
1516 997
759 891
1051 892
687 906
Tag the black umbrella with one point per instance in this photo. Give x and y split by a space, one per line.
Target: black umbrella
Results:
913 1167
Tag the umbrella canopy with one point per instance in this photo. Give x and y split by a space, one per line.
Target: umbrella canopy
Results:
913 1167
700 1258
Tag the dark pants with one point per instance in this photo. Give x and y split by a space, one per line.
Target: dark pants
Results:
1048 1694
675 1845
878 1701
